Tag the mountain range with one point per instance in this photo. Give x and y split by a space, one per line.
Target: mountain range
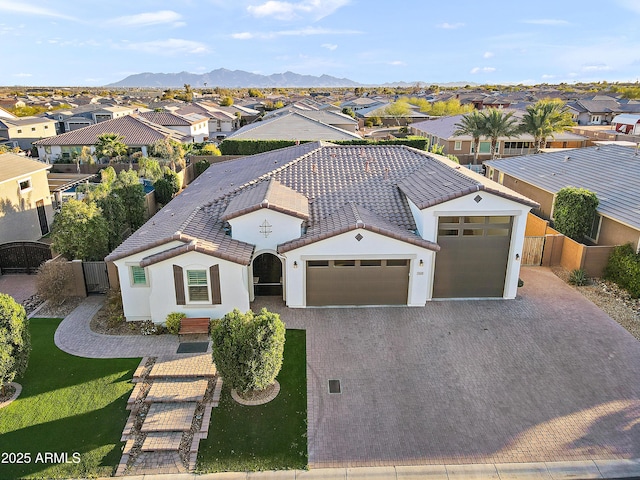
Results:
222 77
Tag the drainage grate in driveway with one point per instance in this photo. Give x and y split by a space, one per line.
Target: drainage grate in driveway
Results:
334 386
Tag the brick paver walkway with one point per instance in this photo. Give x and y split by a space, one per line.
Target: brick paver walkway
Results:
19 286
74 336
184 367
169 417
542 378
177 391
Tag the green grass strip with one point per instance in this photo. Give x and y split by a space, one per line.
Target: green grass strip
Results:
266 437
68 405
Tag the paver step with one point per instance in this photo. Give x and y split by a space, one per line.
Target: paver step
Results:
157 463
168 417
192 366
174 391
161 441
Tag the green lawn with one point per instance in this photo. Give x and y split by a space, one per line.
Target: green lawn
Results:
68 404
265 437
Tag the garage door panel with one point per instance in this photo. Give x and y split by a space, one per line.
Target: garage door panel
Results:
472 265
357 284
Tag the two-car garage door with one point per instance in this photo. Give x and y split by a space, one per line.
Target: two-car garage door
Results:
472 261
357 282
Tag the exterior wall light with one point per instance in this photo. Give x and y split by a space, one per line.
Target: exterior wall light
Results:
421 263
295 264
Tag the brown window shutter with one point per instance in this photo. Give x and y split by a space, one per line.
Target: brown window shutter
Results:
178 282
214 273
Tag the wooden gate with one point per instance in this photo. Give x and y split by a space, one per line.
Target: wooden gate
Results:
532 251
23 257
96 278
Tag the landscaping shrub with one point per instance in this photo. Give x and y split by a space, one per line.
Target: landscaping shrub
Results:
166 187
173 322
200 166
573 212
53 282
623 268
114 308
578 277
15 342
248 348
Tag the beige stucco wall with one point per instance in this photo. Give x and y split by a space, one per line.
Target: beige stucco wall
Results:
614 233
18 213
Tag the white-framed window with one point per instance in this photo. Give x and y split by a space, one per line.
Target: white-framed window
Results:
25 185
138 276
498 147
197 286
594 231
457 145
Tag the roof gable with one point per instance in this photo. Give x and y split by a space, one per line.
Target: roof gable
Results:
269 194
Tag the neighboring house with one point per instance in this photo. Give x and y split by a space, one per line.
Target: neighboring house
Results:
25 202
191 125
138 134
363 103
610 171
90 114
627 123
325 225
23 131
293 125
218 120
601 109
329 117
6 114
441 131
379 111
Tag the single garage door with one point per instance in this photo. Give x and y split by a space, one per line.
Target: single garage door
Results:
473 258
357 282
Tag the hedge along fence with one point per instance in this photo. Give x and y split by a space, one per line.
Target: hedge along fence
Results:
251 147
623 268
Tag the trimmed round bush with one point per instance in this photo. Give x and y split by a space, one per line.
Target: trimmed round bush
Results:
173 322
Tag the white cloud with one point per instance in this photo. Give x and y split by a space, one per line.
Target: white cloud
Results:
596 68
475 70
487 55
398 63
23 75
450 26
171 46
552 22
315 9
302 32
24 8
329 46
149 18
546 76
632 5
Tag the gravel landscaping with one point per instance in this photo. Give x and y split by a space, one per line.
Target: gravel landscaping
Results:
611 299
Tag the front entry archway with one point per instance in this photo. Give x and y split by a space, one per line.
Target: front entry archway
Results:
267 275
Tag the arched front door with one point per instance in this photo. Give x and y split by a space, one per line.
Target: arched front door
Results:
267 275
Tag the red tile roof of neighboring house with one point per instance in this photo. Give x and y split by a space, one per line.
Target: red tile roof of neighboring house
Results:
135 130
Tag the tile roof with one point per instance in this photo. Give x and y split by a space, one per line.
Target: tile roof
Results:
346 187
611 171
351 217
292 126
169 119
269 194
14 166
135 130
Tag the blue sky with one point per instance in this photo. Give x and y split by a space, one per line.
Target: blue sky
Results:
51 42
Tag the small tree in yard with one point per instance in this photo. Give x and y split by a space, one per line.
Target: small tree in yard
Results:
573 212
53 281
248 349
15 341
166 187
80 231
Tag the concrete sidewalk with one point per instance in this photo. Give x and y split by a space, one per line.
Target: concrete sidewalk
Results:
602 469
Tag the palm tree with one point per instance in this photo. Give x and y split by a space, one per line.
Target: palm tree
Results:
545 118
472 124
110 145
499 123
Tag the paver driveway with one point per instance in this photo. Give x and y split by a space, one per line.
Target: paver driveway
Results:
545 377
